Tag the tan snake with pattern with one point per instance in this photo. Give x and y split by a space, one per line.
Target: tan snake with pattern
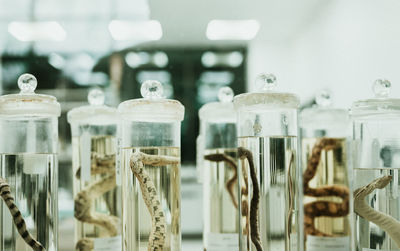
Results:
84 200
150 195
17 217
322 208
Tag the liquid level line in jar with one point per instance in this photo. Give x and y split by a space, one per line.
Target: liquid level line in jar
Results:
84 200
384 221
150 195
19 221
322 208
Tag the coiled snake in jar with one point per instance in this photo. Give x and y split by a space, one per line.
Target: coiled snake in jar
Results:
150 195
84 200
322 208
17 217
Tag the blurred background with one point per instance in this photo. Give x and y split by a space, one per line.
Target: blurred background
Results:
194 48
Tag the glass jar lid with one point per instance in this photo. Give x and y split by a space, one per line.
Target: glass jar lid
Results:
96 113
27 102
323 115
222 111
153 107
381 104
266 97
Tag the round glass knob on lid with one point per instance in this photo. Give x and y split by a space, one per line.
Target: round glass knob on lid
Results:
27 83
266 82
323 98
381 88
96 97
225 94
27 103
381 104
152 89
222 111
265 95
153 106
96 113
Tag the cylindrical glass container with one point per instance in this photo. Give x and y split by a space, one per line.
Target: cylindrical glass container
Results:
220 182
327 194
150 161
28 151
97 198
269 179
376 141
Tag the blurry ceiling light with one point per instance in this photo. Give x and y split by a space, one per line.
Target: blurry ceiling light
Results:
135 59
209 59
56 61
235 59
135 30
232 29
160 59
132 59
37 31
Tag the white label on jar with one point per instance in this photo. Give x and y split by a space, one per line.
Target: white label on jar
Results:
107 244
222 242
85 153
316 243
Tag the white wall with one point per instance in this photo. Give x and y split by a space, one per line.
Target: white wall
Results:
345 48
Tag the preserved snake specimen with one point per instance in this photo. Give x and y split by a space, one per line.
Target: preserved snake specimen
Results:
244 193
150 196
17 217
290 195
255 200
322 208
230 184
384 221
84 200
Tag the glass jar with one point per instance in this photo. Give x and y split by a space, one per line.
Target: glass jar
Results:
325 156
219 164
376 141
97 198
28 168
150 161
269 179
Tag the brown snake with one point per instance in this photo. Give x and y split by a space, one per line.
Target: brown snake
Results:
17 217
230 184
84 200
322 208
255 200
150 195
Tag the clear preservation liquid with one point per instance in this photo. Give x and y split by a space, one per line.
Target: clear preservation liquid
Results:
371 236
277 177
105 206
33 183
332 172
137 221
220 198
